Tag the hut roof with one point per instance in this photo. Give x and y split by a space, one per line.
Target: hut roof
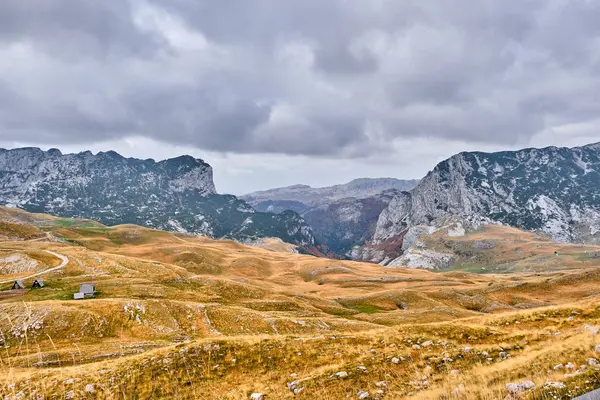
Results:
18 285
38 283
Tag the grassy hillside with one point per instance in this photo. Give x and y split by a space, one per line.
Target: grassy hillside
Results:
179 316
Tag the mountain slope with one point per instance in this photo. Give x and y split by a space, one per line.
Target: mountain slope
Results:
176 194
341 216
346 223
275 199
552 191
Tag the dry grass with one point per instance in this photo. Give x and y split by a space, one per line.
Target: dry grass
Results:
184 317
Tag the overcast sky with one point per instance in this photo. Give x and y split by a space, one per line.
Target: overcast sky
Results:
278 92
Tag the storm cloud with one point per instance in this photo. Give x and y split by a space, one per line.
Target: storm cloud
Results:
338 78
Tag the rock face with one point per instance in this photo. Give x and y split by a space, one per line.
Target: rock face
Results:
176 194
552 191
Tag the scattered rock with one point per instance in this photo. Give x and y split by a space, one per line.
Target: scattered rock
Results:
381 384
559 367
570 366
455 372
89 388
427 343
395 360
467 349
416 347
518 388
597 348
592 362
258 396
341 374
362 368
363 395
554 385
592 329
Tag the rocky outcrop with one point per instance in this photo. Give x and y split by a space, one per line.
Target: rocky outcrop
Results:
552 191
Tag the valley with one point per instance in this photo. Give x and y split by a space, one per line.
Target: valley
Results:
181 316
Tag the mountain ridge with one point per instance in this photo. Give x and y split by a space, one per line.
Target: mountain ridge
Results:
551 191
314 196
173 194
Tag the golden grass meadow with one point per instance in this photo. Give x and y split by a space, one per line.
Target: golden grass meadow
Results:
183 317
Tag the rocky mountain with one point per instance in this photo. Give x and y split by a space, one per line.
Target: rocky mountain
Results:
176 194
553 191
341 216
302 197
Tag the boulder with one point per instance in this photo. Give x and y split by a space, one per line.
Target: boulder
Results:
518 388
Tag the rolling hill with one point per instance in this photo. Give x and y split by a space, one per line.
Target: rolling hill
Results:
182 316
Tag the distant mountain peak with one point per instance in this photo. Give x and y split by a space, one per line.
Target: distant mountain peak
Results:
310 196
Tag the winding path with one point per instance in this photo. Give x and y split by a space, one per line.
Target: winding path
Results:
64 261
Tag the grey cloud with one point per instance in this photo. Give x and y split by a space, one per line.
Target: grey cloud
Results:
296 77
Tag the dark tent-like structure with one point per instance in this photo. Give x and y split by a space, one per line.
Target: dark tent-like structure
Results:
18 285
37 284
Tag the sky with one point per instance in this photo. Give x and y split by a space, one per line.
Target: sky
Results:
274 93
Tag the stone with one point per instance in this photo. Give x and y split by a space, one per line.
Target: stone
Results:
467 349
518 388
416 347
257 396
395 360
341 374
381 384
554 385
592 362
427 343
89 388
570 366
559 367
363 395
455 372
597 348
592 329
362 368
